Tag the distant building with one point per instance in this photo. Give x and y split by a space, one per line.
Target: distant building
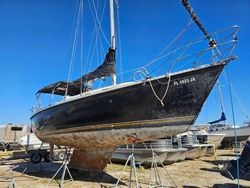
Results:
11 133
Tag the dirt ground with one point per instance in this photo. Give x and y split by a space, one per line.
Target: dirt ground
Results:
202 172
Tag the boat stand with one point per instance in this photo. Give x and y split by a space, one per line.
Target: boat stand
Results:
10 179
65 168
154 167
130 159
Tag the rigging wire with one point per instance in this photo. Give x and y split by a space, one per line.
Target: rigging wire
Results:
102 48
179 58
172 42
97 35
235 131
72 59
238 98
95 49
97 30
99 23
233 114
93 33
93 37
69 42
161 55
194 42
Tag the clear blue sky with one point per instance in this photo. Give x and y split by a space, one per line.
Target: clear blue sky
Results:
35 36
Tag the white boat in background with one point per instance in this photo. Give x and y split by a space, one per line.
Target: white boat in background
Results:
229 130
196 148
163 148
242 132
208 137
176 153
141 151
31 142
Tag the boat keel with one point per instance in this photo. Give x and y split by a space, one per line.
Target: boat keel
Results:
91 159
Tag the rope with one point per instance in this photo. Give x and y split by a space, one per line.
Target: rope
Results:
145 73
166 91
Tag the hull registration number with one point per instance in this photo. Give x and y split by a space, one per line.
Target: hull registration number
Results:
184 81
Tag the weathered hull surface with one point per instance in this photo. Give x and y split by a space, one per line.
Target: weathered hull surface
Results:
175 155
197 150
182 155
215 139
128 114
193 152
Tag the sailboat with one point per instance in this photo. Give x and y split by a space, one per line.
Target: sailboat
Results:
95 121
216 127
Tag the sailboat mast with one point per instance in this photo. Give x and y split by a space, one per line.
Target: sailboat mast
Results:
112 24
112 33
221 100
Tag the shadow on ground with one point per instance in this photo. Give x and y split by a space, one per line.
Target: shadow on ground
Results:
214 169
228 185
215 162
47 170
229 155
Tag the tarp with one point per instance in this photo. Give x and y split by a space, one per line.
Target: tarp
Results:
73 88
106 69
222 118
59 88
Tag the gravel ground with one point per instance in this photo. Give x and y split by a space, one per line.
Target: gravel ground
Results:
202 172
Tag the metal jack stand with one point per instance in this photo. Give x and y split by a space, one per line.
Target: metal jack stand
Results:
10 179
154 168
12 183
130 159
65 168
